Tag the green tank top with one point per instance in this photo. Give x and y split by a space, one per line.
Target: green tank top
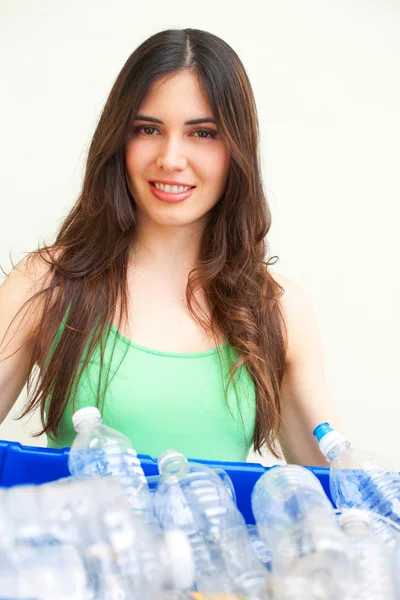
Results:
162 400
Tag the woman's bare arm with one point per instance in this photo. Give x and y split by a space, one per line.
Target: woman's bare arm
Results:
306 401
21 284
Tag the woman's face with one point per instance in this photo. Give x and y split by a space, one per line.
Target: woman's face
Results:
170 150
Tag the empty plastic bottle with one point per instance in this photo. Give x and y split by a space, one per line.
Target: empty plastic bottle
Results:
43 573
260 548
192 497
396 562
39 563
19 511
100 451
91 522
8 573
51 513
359 479
372 559
249 576
296 520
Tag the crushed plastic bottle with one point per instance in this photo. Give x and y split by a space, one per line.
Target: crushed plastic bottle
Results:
296 520
359 479
192 497
100 451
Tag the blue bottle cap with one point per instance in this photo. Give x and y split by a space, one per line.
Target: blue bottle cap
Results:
321 430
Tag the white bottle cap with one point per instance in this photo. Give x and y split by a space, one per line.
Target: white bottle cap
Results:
330 440
180 558
89 412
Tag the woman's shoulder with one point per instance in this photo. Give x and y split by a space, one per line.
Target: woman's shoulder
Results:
27 279
297 311
36 266
294 297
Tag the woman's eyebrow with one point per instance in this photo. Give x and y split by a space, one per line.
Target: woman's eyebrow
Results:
191 122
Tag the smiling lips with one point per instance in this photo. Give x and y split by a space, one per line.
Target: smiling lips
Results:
175 189
171 192
171 186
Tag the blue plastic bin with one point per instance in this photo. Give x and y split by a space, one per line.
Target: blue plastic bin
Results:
30 464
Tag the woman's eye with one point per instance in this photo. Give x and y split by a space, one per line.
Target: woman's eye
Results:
145 129
209 133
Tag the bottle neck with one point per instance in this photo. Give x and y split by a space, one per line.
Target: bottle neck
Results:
355 525
172 466
339 449
88 423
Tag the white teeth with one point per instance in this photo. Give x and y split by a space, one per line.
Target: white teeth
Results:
172 189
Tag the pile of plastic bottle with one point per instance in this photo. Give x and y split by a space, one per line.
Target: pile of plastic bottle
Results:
109 533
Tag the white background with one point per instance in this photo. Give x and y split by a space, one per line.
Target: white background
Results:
326 77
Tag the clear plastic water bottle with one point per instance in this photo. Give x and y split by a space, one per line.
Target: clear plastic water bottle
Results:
8 573
137 562
100 451
34 563
51 513
296 520
359 479
154 480
396 562
372 559
192 497
43 573
18 513
249 576
260 548
91 522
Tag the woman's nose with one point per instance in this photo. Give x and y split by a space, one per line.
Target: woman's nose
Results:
171 156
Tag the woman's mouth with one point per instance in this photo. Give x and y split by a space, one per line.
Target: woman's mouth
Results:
171 196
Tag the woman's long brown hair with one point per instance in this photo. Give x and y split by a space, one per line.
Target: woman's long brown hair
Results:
89 259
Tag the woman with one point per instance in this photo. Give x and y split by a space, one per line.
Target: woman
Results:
156 302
